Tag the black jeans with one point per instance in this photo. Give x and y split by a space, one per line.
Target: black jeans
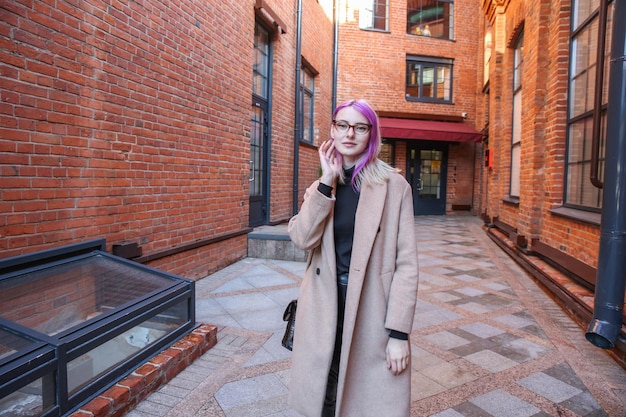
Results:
333 376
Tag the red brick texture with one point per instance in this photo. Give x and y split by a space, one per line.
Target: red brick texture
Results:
130 391
372 65
130 121
545 26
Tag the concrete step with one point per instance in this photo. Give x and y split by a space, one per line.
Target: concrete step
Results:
273 242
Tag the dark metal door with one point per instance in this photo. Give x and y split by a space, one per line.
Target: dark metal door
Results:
259 128
427 174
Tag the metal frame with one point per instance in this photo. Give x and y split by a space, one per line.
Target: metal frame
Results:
50 355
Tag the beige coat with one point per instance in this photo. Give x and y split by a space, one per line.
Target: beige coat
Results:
382 293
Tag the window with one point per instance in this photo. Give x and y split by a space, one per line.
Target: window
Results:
374 14
429 79
516 136
307 85
584 44
487 46
430 18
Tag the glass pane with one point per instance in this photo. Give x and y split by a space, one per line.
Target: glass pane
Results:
430 18
31 400
589 194
256 150
103 358
427 82
444 83
580 190
574 183
373 15
516 152
583 70
413 79
260 69
307 114
11 343
73 292
430 174
517 117
582 9
519 63
578 133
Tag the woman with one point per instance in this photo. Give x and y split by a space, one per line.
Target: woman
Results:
351 354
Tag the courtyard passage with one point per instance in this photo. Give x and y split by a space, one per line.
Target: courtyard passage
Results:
487 341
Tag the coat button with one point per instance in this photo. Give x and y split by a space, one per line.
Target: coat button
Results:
317 271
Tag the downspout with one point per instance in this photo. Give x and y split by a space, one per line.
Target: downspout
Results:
611 276
298 115
335 54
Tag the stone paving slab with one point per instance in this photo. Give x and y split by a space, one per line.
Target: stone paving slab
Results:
486 341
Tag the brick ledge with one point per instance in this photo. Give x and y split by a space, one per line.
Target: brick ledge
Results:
130 391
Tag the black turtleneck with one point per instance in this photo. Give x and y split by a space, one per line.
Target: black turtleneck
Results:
346 202
345 211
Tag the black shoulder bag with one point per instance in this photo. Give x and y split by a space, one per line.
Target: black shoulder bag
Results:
290 317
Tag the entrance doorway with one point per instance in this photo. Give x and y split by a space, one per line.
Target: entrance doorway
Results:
259 129
427 170
258 161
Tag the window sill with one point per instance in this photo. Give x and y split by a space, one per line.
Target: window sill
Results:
513 201
428 100
308 144
578 215
375 30
430 37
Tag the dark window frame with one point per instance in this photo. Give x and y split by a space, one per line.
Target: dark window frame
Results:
578 191
432 18
379 16
516 131
307 96
415 79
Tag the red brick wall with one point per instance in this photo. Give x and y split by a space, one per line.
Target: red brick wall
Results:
462 169
545 91
317 56
130 121
372 65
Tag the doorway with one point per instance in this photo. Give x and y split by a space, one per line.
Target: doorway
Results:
259 129
427 171
258 160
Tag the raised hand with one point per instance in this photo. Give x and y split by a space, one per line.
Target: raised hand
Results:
331 162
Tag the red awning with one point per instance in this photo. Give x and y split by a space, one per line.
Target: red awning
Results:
392 128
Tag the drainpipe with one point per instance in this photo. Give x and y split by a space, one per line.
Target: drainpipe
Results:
298 114
611 276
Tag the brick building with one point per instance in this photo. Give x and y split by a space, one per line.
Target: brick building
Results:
173 129
416 63
540 196
166 128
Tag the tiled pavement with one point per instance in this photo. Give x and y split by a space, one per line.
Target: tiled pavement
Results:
486 341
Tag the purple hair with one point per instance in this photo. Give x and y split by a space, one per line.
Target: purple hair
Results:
374 144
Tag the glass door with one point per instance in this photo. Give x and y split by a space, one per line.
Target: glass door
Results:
259 131
427 175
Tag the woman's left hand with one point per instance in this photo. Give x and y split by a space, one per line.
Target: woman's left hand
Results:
398 355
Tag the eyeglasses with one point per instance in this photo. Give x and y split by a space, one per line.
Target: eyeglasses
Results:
359 128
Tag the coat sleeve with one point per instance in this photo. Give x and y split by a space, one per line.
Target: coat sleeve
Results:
403 290
307 227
